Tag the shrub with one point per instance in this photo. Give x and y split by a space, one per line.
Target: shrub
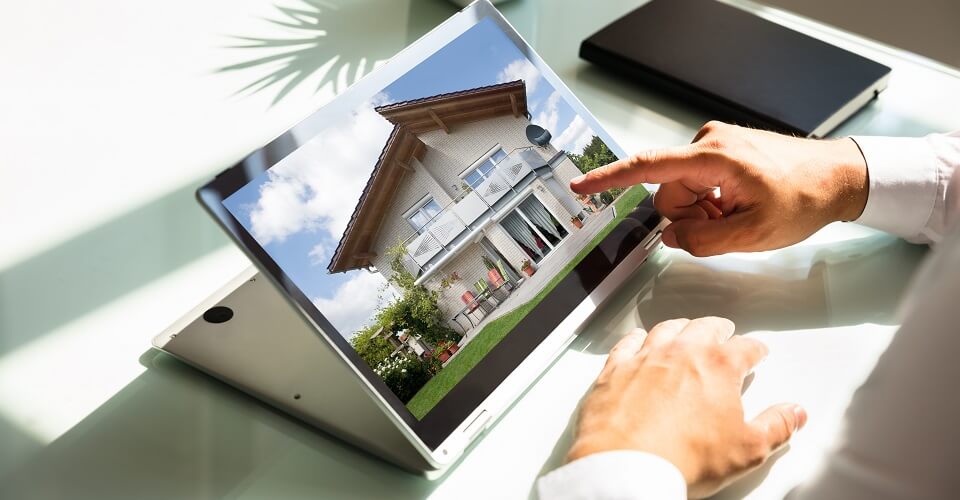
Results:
404 375
371 347
416 309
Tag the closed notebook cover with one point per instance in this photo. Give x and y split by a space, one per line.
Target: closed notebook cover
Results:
737 66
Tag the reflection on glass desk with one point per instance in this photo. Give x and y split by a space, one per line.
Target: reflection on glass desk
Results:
88 411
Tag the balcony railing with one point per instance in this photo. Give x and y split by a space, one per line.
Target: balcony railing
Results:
462 213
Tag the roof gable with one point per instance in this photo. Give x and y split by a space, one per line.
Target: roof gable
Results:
411 118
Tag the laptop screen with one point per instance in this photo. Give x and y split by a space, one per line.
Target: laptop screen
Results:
424 218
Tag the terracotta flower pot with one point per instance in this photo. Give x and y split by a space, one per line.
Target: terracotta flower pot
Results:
453 349
577 222
495 277
529 270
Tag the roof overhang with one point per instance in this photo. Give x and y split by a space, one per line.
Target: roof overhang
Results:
410 118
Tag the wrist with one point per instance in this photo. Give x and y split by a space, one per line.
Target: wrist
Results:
849 180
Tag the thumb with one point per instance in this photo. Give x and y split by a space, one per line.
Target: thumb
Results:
777 424
706 237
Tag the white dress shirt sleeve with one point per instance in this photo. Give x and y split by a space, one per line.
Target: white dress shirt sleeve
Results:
908 184
614 475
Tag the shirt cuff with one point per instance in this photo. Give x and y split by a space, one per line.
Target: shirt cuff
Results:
903 184
610 475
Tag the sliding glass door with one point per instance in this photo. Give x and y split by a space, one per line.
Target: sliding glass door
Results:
534 228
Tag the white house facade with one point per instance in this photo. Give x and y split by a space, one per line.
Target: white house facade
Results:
460 186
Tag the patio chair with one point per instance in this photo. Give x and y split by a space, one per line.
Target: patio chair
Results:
472 303
483 288
499 293
503 272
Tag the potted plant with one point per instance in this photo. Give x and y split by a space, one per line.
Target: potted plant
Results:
576 222
496 279
445 349
527 267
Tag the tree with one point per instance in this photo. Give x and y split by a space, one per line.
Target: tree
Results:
595 155
370 346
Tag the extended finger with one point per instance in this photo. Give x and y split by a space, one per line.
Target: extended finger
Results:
656 166
710 329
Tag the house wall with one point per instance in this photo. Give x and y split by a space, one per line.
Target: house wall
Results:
565 172
506 246
438 172
412 189
450 154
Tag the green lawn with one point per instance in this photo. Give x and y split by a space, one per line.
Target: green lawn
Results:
496 330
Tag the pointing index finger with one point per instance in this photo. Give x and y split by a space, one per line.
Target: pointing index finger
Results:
654 166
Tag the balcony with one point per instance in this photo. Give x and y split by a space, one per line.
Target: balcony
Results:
469 211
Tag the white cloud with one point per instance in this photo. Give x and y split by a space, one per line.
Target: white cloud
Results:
318 185
353 304
575 137
521 69
319 254
550 114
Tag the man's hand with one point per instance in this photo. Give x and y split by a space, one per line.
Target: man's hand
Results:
774 190
675 392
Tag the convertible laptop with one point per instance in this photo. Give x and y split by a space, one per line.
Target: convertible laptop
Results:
420 258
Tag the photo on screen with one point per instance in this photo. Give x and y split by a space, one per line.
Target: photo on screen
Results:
429 221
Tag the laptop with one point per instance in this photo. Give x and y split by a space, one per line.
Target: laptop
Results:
418 256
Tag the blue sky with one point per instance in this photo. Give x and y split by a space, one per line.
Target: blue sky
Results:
299 208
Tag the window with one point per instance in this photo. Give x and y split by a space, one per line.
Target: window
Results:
422 218
484 169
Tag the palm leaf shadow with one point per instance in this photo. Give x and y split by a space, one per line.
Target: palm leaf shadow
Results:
310 49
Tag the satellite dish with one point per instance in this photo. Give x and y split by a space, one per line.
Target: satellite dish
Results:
538 135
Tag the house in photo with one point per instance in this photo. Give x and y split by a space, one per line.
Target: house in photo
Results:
472 200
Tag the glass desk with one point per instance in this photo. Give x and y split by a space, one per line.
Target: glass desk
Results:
115 112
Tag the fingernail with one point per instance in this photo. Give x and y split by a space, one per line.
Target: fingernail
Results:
669 238
801 415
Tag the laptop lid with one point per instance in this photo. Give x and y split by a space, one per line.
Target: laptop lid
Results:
422 221
738 66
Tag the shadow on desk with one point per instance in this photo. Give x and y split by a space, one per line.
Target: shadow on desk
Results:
176 433
801 288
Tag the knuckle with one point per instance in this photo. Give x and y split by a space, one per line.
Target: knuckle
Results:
712 126
693 243
645 157
755 449
720 359
784 424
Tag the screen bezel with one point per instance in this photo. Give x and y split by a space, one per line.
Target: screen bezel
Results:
451 411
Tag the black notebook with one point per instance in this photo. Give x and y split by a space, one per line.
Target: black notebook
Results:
737 66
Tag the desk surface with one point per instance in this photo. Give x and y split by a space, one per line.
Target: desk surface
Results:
115 111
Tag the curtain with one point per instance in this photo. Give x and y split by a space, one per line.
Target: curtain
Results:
520 231
537 213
